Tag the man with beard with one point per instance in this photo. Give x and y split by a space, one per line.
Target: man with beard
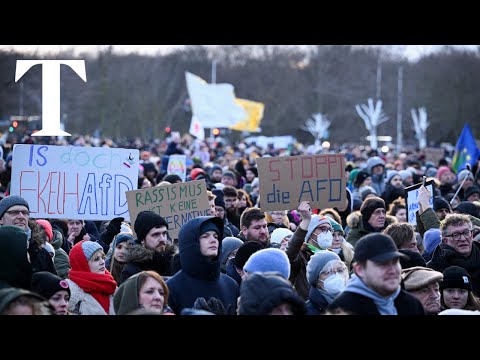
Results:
152 250
253 227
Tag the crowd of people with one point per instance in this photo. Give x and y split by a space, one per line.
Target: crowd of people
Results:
362 259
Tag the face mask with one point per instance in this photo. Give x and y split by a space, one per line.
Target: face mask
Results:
334 284
324 240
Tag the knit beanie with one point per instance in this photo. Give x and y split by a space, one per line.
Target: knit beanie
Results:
245 251
146 221
413 259
229 244
369 206
47 284
405 174
268 260
463 174
418 277
316 264
365 191
390 175
89 248
442 170
360 178
45 224
316 221
336 226
219 202
440 203
467 207
456 277
470 191
229 174
279 234
122 237
11 200
431 239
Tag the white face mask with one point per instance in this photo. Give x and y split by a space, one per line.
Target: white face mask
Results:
324 240
334 284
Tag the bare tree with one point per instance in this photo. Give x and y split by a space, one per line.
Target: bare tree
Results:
373 116
317 125
421 124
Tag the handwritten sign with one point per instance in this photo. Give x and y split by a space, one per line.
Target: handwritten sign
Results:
176 203
412 200
177 164
286 181
434 154
74 182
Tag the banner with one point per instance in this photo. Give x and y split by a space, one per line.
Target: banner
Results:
254 112
286 181
73 182
176 203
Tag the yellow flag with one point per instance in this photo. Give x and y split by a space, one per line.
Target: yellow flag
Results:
254 112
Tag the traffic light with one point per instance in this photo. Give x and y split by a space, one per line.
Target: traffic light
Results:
13 126
216 132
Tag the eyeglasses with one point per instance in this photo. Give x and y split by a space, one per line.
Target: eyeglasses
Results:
456 236
340 271
17 212
323 230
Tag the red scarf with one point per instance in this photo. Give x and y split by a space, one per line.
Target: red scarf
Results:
100 286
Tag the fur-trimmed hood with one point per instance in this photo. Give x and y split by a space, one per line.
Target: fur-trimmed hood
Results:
139 254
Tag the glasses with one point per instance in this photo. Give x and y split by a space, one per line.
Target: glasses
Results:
456 236
340 271
17 212
323 230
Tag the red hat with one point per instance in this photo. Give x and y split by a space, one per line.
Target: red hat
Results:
195 172
47 227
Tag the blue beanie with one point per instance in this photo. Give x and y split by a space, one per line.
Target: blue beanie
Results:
11 200
229 244
431 239
316 264
268 260
89 248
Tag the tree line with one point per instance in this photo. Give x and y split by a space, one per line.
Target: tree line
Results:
138 95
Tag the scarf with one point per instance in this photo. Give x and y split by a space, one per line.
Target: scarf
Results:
100 286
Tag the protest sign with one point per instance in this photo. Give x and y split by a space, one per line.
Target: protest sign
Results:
412 199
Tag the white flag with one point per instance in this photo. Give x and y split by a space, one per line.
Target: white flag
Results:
213 104
196 128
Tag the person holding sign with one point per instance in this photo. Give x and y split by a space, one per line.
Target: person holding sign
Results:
152 249
200 245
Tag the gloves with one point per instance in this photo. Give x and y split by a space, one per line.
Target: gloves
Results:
213 305
112 229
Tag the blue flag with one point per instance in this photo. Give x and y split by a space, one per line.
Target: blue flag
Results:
466 151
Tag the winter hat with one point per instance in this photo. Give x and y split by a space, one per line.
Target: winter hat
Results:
195 172
456 277
316 264
360 178
47 284
440 203
405 174
89 248
463 174
172 178
442 170
418 277
219 202
215 167
210 226
279 234
245 251
122 237
467 207
316 221
376 247
390 175
470 191
268 260
370 205
431 172
414 259
367 190
431 239
229 244
11 200
10 294
230 174
47 227
336 226
146 221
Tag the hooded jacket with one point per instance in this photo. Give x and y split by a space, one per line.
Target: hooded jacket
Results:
200 276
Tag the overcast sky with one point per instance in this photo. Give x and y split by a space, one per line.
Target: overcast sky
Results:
412 52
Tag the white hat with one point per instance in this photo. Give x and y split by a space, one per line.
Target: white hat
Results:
279 234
